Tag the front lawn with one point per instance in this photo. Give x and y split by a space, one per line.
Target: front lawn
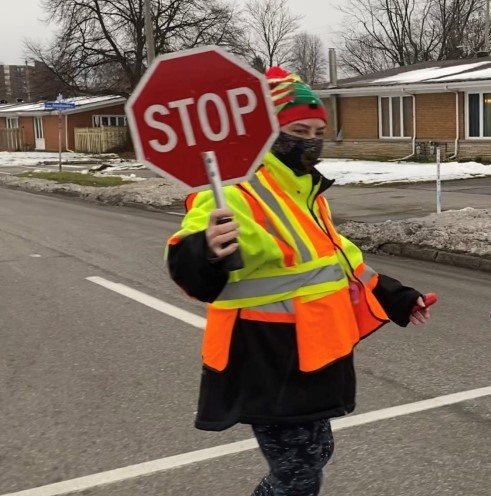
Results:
76 178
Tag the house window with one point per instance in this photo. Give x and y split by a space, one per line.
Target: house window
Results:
396 117
12 122
108 120
479 115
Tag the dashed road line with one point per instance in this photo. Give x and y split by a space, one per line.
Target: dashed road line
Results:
151 302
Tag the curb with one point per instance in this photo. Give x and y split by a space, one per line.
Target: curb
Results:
82 195
431 255
392 249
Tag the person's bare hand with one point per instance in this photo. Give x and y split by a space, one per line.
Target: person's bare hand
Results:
219 235
420 316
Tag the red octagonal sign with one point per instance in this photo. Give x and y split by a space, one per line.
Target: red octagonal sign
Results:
197 101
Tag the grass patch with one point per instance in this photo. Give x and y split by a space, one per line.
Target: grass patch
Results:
76 178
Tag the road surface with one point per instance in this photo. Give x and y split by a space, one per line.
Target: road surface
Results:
96 376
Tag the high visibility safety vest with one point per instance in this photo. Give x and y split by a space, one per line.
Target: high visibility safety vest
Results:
297 269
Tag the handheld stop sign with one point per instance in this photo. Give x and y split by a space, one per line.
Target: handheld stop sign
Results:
203 118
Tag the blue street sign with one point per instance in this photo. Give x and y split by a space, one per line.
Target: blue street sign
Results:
59 105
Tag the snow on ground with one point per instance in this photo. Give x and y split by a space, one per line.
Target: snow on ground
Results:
33 159
129 177
464 232
123 165
368 172
10 159
342 170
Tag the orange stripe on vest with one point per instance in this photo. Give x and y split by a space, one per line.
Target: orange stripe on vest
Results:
279 318
260 218
188 203
174 240
312 229
326 219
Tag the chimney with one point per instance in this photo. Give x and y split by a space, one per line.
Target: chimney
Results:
333 67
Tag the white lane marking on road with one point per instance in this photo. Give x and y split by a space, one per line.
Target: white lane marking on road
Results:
150 301
35 255
156 466
178 214
409 408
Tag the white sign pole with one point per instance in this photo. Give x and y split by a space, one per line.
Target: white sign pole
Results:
59 141
59 98
215 178
438 182
233 261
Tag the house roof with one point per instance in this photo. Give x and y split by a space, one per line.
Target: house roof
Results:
4 106
423 77
83 104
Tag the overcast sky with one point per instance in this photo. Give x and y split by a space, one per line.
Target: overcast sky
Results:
21 19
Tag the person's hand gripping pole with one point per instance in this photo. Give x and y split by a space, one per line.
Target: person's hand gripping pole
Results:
222 231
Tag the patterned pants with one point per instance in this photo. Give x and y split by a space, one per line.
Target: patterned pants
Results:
296 456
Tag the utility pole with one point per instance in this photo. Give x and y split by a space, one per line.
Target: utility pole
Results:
149 32
486 34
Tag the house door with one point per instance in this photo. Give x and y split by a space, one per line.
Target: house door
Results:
39 133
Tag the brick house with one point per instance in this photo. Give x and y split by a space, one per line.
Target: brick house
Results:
39 127
408 111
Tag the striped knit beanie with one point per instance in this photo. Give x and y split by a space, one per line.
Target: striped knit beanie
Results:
293 99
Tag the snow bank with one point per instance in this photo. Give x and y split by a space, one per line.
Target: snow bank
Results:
464 232
367 172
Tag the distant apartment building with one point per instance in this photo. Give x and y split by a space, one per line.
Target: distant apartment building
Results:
14 83
28 83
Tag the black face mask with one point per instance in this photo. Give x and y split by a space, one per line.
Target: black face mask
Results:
299 154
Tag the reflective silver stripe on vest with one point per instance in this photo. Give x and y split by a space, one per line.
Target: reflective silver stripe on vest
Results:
250 288
268 197
285 306
272 229
269 226
366 276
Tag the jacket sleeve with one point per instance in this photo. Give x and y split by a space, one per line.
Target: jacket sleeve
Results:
397 300
190 269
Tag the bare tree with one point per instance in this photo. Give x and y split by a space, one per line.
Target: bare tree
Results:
309 59
258 64
462 27
100 46
272 27
382 34
359 56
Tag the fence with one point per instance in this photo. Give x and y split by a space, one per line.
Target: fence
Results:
11 140
100 139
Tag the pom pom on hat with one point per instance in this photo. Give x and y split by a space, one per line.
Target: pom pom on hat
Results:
277 73
293 99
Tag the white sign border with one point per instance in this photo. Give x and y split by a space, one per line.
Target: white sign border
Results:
186 53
